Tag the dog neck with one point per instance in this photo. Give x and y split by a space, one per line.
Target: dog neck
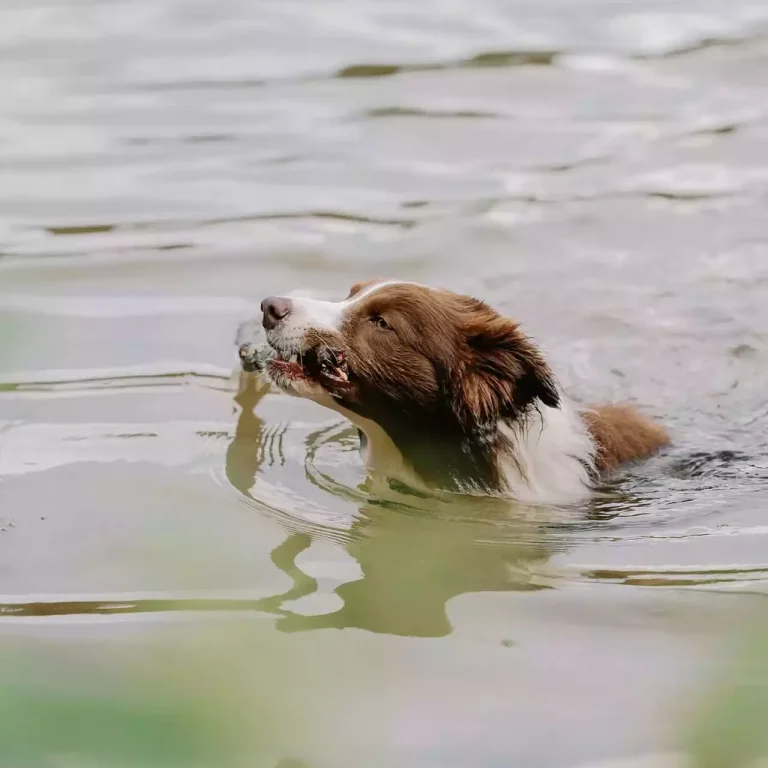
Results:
546 455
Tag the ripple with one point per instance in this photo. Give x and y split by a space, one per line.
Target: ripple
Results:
259 446
39 447
112 606
501 58
132 377
318 214
684 576
82 229
428 113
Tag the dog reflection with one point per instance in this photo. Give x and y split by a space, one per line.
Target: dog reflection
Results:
412 564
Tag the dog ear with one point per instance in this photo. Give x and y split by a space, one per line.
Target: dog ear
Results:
357 287
503 373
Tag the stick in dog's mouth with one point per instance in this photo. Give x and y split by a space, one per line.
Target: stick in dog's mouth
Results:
321 364
254 357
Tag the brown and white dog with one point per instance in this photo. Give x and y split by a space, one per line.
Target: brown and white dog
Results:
446 392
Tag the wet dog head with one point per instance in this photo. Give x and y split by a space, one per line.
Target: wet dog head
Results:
401 353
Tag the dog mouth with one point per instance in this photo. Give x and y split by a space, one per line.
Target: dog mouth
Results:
318 365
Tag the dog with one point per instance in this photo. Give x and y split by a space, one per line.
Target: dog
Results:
446 393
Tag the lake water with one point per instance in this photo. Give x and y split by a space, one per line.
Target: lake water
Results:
597 169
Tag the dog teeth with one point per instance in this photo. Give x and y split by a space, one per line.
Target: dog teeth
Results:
337 374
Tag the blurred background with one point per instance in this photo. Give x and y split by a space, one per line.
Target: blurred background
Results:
192 575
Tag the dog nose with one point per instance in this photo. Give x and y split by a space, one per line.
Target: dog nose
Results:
274 310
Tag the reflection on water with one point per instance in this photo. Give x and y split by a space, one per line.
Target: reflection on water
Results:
412 560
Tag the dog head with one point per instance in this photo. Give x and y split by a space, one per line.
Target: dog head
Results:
402 352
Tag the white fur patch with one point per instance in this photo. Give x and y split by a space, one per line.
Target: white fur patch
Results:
553 456
315 314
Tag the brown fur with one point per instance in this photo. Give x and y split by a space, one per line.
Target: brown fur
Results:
621 434
503 372
440 345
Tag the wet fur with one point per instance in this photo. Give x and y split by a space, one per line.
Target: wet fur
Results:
622 434
464 396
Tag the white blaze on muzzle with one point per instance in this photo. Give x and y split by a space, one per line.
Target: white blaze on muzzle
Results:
309 314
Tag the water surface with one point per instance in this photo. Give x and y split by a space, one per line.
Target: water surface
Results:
597 169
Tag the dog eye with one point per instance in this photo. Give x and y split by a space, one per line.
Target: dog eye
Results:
380 322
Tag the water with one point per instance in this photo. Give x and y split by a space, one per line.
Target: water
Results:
597 169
